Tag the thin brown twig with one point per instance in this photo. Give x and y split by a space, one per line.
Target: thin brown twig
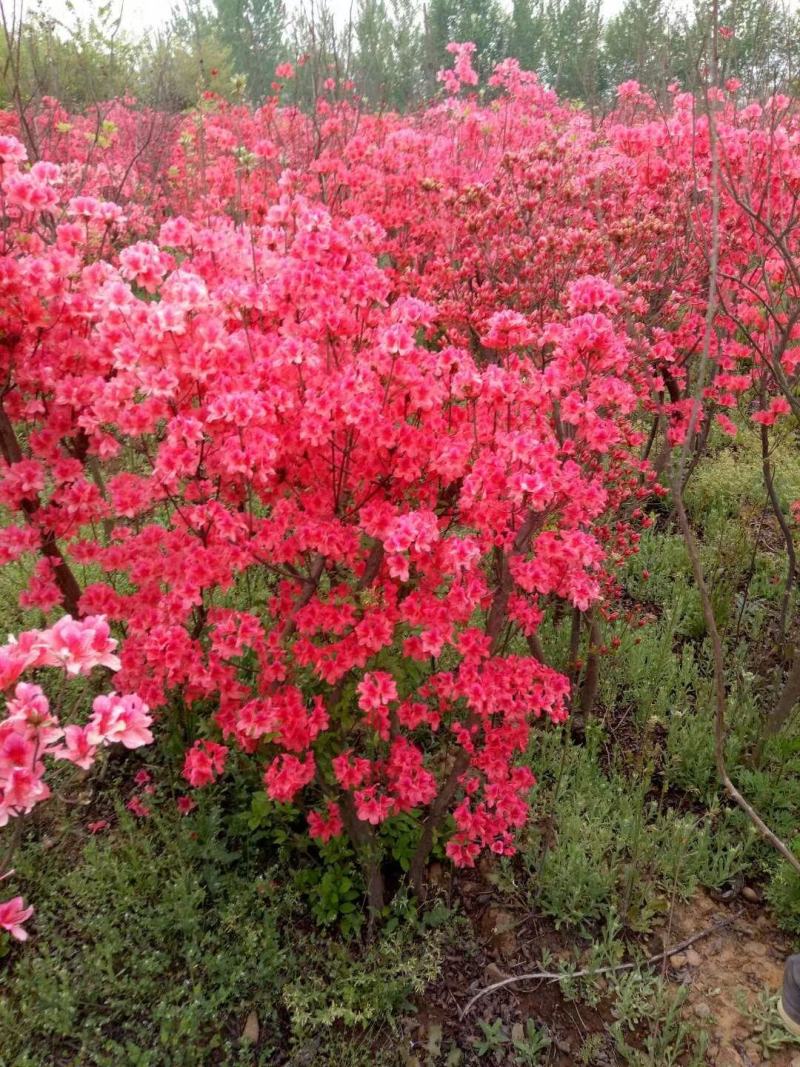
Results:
592 972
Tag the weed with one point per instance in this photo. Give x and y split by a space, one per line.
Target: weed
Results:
666 1039
770 1033
493 1038
529 1043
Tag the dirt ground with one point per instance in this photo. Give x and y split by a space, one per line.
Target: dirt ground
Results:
729 974
732 977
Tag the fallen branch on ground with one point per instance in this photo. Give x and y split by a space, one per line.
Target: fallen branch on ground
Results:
592 972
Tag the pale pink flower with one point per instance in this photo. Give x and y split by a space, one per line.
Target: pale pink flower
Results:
13 914
77 747
123 719
79 645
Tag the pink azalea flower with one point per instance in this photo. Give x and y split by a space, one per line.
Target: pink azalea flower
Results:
77 747
79 645
139 809
13 914
204 762
120 718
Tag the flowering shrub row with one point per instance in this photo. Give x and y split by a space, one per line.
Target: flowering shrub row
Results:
336 412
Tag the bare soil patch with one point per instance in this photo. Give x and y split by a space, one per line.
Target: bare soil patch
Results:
730 977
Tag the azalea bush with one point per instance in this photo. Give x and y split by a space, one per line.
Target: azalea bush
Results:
327 416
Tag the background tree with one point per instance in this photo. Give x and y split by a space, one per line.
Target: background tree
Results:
188 57
393 49
254 31
573 48
407 77
387 64
375 63
91 61
526 38
484 22
324 51
763 49
638 44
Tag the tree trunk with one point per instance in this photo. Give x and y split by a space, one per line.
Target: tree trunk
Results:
62 573
434 819
788 700
365 844
591 679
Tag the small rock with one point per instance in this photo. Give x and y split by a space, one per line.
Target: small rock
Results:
702 1010
795 1061
678 960
751 894
694 959
251 1029
517 1032
494 974
436 874
498 926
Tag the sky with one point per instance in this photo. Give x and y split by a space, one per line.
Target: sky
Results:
136 14
150 14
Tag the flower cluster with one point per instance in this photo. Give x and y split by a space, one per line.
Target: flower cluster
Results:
31 731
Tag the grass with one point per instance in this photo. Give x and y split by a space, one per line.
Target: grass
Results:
153 944
618 844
